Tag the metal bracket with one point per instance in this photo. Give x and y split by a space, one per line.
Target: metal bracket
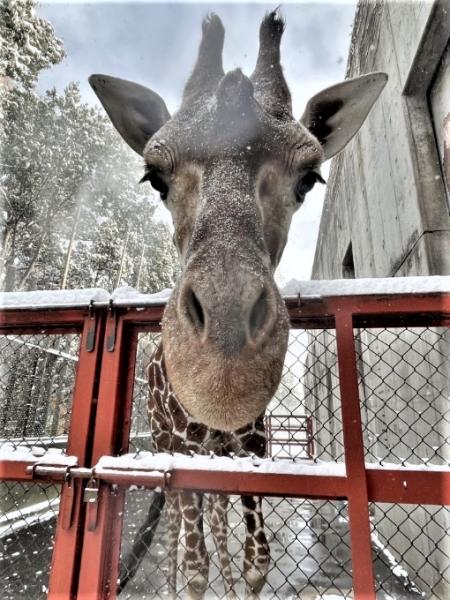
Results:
68 500
111 339
90 339
91 499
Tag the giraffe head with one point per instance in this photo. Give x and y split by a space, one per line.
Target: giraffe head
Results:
232 166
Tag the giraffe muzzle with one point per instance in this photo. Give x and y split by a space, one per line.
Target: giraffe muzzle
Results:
231 323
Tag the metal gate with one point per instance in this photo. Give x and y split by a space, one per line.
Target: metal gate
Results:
369 485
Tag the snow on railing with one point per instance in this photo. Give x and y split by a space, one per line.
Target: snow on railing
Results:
375 286
53 456
128 296
147 461
52 298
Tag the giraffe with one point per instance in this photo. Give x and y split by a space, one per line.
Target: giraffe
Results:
232 166
175 430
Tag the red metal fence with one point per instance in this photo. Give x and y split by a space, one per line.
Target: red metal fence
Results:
87 536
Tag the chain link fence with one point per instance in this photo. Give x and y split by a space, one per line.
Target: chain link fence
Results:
404 379
37 376
27 526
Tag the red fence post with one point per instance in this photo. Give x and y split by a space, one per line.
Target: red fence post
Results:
101 545
358 503
64 569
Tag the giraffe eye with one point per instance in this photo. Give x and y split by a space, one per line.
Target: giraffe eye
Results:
156 180
306 184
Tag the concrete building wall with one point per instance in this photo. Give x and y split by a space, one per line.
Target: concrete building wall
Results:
386 194
386 214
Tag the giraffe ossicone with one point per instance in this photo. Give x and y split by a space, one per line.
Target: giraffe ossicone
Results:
232 165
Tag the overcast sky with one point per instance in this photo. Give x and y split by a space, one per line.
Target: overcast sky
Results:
156 44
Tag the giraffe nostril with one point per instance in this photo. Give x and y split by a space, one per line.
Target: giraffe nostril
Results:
195 311
258 315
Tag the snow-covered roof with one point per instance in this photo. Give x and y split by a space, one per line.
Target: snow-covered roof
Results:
127 296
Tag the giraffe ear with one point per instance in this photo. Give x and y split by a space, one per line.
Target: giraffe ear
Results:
135 111
335 114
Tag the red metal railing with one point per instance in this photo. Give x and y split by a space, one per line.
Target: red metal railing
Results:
87 544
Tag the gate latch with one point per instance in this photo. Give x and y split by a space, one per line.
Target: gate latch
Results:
90 493
91 498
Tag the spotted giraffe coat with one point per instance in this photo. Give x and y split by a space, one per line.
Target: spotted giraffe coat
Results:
174 430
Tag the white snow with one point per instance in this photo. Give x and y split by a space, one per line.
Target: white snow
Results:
124 296
52 298
406 467
146 461
381 285
128 296
395 567
36 454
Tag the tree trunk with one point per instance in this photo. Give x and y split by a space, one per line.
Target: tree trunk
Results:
70 248
141 262
33 262
122 259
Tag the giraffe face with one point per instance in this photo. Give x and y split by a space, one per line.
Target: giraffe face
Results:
232 191
245 166
232 166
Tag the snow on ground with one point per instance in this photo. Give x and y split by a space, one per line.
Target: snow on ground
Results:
15 520
309 546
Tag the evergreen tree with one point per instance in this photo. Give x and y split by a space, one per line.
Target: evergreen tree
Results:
27 43
72 213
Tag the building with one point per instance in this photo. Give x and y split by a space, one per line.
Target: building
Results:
386 214
386 211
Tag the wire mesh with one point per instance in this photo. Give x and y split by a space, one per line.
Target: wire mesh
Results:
289 419
37 375
404 383
414 542
27 525
404 376
310 554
